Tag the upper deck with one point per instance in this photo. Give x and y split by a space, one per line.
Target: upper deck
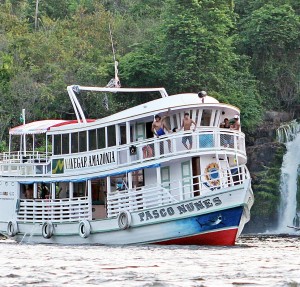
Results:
123 141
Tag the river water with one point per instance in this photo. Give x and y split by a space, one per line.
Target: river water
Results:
254 261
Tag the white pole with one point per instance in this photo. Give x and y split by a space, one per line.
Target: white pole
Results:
24 122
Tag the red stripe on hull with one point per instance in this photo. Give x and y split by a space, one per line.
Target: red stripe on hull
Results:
223 237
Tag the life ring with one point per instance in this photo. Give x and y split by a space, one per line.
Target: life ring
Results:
84 229
47 229
212 174
12 229
124 219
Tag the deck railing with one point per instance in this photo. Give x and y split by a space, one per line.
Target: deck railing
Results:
55 210
175 191
201 141
76 209
206 140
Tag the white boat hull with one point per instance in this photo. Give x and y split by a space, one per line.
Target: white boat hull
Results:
217 219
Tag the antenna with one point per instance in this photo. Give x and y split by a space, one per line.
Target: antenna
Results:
114 83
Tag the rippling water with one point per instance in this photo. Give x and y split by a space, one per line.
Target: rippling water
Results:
254 261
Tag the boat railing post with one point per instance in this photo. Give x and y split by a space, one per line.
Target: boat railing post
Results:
180 190
156 143
215 136
173 145
131 200
89 199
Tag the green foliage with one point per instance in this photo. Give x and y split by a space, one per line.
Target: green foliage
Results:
271 36
266 187
242 52
3 146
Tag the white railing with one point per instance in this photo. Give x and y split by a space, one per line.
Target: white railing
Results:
19 156
206 140
157 195
203 141
55 210
136 199
32 163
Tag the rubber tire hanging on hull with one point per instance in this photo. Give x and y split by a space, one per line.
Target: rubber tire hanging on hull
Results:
124 219
84 229
12 229
47 229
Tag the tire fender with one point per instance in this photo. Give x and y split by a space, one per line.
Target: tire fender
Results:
84 228
12 228
124 219
47 229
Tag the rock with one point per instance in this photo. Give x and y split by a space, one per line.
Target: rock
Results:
277 117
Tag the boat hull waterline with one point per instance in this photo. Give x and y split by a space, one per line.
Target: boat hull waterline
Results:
217 222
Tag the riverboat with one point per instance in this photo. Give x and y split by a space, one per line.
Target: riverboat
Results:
111 181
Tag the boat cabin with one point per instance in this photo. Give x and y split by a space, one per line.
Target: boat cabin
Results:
96 168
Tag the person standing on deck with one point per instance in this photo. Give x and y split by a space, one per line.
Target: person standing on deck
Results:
186 126
158 126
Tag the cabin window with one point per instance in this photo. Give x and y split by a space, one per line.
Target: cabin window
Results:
65 144
80 189
92 139
82 141
205 120
123 136
101 138
74 142
165 177
61 190
132 133
57 144
26 191
111 136
167 122
118 182
138 178
43 190
216 118
140 131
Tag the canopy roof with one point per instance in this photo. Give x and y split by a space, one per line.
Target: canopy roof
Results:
38 127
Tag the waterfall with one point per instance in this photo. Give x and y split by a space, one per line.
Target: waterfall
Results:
289 134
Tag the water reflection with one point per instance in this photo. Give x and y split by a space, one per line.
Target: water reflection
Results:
254 261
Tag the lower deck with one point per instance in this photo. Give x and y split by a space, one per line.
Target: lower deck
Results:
106 197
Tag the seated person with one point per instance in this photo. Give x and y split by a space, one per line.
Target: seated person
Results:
236 125
225 124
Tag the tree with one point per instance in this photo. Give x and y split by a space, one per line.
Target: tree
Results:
271 37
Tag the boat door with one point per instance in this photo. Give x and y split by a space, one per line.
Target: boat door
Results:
140 131
196 175
165 177
99 192
186 179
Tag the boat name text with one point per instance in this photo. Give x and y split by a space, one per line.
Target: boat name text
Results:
90 160
182 208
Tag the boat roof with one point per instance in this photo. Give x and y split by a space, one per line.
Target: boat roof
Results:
151 108
40 127
158 106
